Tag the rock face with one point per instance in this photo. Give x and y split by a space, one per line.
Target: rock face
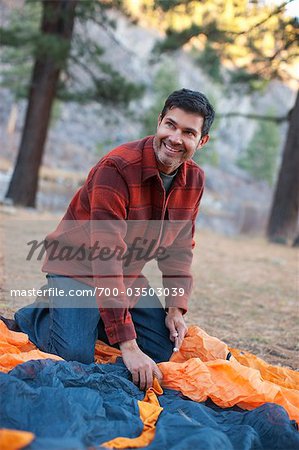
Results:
81 134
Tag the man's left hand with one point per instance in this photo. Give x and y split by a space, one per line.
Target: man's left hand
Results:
175 322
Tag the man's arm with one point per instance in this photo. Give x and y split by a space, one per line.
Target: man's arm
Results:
177 277
108 195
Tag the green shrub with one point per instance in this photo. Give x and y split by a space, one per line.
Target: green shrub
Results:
260 157
165 82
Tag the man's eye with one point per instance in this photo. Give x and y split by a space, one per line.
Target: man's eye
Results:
170 125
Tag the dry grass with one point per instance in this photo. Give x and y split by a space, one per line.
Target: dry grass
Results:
245 292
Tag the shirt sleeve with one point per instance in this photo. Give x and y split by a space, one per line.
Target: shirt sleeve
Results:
108 197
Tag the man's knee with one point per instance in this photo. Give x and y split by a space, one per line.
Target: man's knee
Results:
83 354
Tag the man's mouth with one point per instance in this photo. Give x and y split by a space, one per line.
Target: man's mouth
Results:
171 149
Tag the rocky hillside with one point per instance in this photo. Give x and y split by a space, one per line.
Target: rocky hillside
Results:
80 134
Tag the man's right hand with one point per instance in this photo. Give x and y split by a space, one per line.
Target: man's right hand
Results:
141 366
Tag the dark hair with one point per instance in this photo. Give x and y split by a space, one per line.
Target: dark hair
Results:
191 101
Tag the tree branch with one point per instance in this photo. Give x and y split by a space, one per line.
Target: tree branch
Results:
85 67
255 117
258 24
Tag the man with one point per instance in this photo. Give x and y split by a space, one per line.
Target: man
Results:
154 182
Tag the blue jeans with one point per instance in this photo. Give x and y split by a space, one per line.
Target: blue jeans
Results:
71 332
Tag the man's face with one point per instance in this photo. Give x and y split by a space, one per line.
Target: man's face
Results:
177 138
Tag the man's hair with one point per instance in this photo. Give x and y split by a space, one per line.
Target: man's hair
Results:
193 102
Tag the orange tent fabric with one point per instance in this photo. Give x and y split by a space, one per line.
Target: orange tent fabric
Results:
199 370
14 439
149 411
105 354
199 344
15 348
279 375
227 383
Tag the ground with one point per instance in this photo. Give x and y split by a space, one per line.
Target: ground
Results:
246 293
245 290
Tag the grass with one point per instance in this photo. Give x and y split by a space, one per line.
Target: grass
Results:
246 293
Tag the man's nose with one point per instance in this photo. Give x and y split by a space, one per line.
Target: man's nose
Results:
176 137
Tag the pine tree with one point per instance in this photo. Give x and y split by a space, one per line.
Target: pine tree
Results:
52 47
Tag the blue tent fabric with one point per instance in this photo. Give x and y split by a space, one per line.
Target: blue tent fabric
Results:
69 405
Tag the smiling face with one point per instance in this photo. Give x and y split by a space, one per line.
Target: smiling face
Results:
177 138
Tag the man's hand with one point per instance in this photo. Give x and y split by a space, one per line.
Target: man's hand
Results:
175 322
141 366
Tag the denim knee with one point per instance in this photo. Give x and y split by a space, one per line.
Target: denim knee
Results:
83 354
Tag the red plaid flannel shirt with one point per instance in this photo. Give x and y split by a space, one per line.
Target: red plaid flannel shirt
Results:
125 184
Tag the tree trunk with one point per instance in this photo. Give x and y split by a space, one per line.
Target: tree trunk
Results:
57 21
283 218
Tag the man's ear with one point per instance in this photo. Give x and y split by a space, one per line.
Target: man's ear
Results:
159 119
203 141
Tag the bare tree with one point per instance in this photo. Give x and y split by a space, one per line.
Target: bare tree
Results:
283 219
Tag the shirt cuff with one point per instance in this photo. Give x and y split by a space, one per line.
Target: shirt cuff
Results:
121 332
177 302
